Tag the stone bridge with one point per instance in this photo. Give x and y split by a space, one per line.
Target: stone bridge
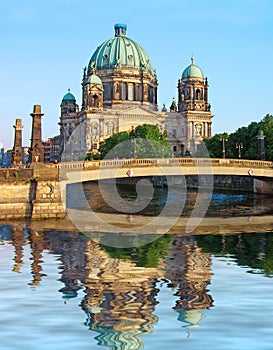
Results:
105 169
38 192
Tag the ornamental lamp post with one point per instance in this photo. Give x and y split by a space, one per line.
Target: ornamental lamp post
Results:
134 143
223 140
239 146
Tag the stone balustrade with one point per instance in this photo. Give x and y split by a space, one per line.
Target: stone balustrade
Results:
115 163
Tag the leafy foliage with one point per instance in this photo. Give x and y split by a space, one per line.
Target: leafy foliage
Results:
145 141
244 138
252 250
147 255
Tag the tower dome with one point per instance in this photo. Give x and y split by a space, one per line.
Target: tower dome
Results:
120 52
125 71
69 97
192 71
94 79
68 104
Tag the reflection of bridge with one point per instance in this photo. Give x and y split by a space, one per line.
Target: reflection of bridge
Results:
36 192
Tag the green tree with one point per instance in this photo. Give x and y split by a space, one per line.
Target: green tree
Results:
266 126
109 147
245 137
147 255
214 146
145 141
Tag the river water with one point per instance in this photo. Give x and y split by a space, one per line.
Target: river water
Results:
208 289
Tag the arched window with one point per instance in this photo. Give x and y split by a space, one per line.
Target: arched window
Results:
197 94
95 101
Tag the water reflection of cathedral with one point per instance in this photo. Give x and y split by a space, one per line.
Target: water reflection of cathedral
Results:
120 297
189 270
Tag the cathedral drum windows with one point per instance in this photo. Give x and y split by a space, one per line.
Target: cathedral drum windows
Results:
124 91
131 92
108 92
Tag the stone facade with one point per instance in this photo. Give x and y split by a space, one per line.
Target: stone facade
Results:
119 92
30 193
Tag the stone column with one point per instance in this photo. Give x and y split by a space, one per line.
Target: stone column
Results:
209 132
36 151
192 130
17 154
136 92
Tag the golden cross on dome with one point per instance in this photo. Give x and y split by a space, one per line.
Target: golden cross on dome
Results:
192 59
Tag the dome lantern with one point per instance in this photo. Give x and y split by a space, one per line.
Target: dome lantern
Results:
125 71
120 29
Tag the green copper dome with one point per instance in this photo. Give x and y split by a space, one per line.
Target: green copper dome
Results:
69 96
94 79
120 52
192 71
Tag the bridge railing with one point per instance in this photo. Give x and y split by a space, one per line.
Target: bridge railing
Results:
116 163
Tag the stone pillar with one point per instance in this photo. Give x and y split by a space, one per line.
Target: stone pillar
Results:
36 151
47 201
206 130
261 147
209 131
17 154
137 92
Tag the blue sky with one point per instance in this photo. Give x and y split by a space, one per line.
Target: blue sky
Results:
46 43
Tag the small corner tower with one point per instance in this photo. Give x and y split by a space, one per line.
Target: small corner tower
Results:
36 151
92 93
17 153
193 104
68 104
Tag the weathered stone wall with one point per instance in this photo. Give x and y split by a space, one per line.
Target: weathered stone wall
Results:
47 202
220 182
30 193
15 201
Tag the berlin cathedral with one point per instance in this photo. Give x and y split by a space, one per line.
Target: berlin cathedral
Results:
119 92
